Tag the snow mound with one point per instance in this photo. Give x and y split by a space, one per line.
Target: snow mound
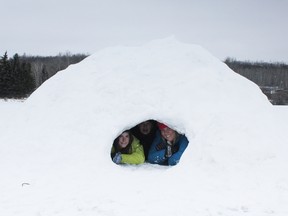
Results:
63 151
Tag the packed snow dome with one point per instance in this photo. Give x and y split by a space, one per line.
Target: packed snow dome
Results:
56 153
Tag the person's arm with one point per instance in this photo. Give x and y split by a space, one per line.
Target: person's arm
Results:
183 143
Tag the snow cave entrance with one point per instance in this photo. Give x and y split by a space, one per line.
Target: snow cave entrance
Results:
149 141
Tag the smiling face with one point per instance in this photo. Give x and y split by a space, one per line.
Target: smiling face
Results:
168 134
124 139
145 127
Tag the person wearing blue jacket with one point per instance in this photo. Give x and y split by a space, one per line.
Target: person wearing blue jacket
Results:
167 147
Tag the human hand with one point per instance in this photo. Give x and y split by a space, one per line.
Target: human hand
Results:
117 158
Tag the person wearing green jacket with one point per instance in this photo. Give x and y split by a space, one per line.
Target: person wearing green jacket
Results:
127 150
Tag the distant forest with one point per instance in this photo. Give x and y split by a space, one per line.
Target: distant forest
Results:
272 78
21 75
37 69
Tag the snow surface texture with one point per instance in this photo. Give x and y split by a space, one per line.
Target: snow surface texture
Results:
55 147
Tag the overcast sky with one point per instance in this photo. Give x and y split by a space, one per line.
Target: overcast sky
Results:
253 30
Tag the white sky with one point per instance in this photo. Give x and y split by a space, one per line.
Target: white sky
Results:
243 29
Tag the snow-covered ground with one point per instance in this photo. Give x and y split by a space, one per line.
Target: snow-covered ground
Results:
55 146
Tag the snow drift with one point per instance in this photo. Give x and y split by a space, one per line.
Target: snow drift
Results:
59 157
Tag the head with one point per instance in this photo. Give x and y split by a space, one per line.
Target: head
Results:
145 127
123 141
167 133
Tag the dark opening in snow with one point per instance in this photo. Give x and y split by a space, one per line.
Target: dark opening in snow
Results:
150 141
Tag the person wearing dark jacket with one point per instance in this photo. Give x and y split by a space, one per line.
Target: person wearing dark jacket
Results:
145 132
167 147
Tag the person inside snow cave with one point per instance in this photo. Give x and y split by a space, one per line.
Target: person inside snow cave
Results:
127 149
167 147
145 132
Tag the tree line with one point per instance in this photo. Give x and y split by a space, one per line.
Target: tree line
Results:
16 80
44 67
21 75
272 78
261 73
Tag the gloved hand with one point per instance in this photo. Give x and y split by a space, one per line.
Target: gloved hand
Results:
160 146
117 158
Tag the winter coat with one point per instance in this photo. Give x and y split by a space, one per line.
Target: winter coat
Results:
136 156
145 139
158 156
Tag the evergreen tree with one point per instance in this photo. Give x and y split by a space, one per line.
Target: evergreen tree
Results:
5 76
26 80
16 80
44 74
